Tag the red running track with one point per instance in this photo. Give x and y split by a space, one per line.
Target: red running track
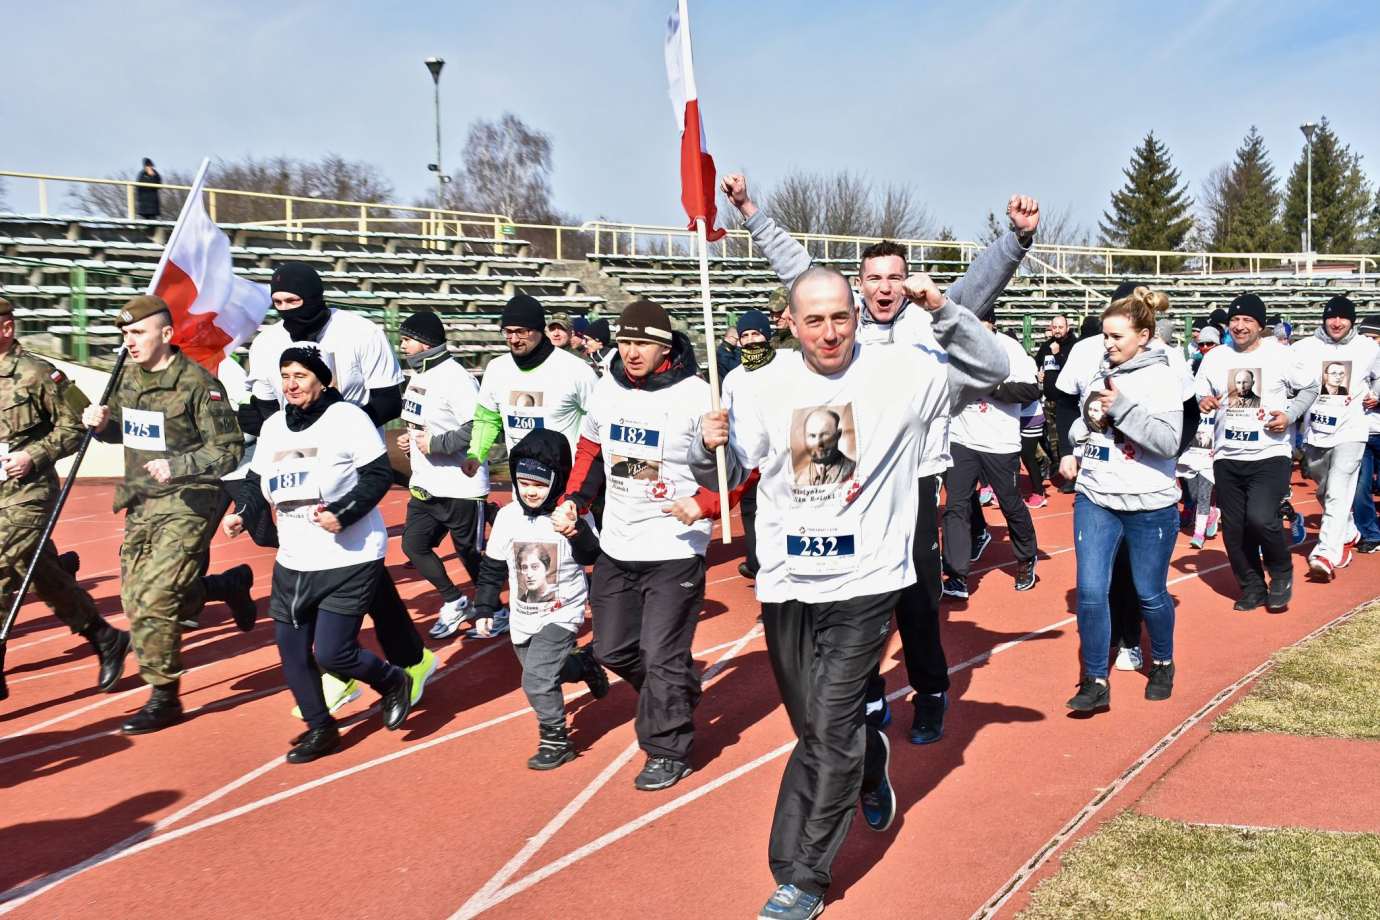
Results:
443 819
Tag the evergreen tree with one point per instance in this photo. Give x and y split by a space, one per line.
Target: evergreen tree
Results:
1341 196
1248 219
1152 210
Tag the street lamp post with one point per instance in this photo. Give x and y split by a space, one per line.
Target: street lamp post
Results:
1308 128
434 64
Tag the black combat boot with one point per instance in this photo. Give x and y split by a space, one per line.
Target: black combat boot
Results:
231 588
111 646
162 710
553 750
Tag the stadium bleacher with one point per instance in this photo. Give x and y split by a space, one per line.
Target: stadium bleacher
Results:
60 271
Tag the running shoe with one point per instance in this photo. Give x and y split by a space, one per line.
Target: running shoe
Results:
879 805
1129 659
454 614
1198 539
1297 534
927 726
790 903
1320 569
1094 695
420 672
1036 500
1214 518
1366 547
661 773
877 713
956 586
980 546
337 693
1025 575
1347 555
1161 683
985 495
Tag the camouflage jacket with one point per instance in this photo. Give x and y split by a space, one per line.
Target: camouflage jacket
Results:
40 414
179 414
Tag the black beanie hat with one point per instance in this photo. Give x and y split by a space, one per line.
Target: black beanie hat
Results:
425 327
531 468
1217 317
1247 305
525 312
1092 325
754 321
1339 306
309 356
599 330
645 321
1370 324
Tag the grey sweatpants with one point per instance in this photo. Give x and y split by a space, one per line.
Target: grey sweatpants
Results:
1334 469
546 664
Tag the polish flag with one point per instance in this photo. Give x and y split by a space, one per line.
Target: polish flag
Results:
213 311
696 165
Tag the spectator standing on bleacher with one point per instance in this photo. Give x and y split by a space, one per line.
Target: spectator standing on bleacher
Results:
147 201
366 373
1346 364
438 410
1049 359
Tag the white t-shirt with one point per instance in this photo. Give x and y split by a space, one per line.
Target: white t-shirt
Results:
837 501
1085 357
299 470
437 401
1250 386
1110 464
235 381
356 350
645 438
545 585
1344 374
916 327
991 426
554 394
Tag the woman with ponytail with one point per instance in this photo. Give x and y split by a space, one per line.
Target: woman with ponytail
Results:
1128 436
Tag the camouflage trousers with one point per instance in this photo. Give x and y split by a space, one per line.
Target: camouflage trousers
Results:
166 540
20 527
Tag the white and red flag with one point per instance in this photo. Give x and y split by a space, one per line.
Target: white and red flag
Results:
696 165
213 310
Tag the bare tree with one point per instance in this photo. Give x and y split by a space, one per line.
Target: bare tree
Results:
847 203
507 170
797 202
1212 205
901 216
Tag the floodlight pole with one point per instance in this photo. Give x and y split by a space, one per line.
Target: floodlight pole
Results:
1308 128
434 64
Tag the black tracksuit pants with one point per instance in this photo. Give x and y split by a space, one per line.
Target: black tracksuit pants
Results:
917 610
1000 472
427 524
645 615
747 504
393 626
1249 493
822 656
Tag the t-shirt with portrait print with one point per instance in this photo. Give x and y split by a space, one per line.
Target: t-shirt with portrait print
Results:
1344 373
545 585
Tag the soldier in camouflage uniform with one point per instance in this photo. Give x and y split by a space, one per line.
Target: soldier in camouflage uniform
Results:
180 436
39 425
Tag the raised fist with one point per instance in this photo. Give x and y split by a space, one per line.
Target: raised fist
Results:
922 290
1024 214
734 185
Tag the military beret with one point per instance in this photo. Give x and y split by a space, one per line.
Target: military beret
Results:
141 307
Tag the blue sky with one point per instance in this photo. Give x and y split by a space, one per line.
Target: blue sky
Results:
967 102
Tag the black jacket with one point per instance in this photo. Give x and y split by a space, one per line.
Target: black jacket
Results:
1051 363
146 199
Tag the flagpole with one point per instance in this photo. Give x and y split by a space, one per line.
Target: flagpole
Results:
720 462
13 613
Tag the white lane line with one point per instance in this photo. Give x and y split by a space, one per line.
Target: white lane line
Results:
480 900
1046 850
142 841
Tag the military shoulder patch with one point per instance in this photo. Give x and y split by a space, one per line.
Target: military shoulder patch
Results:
56 376
215 396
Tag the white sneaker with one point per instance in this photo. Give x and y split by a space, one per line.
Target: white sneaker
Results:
337 693
454 614
1129 659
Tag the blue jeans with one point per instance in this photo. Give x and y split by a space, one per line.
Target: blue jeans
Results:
1150 535
1363 508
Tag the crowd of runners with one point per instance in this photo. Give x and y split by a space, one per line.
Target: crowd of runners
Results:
865 423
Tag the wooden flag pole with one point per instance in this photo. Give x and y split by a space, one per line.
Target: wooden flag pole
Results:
720 463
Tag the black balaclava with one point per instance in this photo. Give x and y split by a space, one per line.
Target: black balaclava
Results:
305 322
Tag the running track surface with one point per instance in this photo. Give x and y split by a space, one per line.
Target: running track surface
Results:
442 819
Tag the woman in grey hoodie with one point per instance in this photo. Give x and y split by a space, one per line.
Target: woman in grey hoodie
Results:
1128 443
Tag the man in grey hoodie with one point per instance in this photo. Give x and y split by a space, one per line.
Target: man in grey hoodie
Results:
885 316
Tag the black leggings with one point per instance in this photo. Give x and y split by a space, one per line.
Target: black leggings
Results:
337 649
1030 457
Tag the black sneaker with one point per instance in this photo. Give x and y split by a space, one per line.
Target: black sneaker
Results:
928 725
879 805
661 773
1093 696
980 546
1281 590
1161 684
956 586
1251 599
1366 547
593 673
1025 575
877 716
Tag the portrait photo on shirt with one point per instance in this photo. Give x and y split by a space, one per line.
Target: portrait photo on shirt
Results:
525 399
1243 388
824 446
1336 378
535 564
1094 416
